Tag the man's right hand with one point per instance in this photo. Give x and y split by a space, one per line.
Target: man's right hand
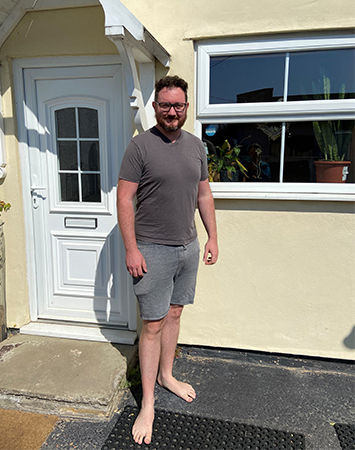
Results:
135 263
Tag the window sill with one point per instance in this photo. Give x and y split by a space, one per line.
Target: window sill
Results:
284 191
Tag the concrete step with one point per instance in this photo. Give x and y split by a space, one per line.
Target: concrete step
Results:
65 377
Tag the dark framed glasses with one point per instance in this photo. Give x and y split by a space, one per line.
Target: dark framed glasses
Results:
166 106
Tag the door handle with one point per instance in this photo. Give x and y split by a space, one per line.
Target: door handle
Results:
34 195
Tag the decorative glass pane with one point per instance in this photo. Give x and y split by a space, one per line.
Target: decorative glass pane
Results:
251 153
66 123
69 188
91 189
89 156
330 75
308 142
88 123
68 155
247 79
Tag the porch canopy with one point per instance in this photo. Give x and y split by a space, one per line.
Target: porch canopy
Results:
136 46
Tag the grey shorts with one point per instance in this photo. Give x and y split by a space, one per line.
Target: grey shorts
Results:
170 278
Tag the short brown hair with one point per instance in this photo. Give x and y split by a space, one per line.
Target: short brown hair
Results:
170 82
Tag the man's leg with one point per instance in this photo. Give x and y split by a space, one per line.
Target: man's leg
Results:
149 356
169 338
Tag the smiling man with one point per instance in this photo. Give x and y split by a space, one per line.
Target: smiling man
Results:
165 169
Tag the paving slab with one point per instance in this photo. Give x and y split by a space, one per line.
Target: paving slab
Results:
64 377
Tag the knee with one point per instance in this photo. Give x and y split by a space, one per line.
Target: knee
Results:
153 327
175 312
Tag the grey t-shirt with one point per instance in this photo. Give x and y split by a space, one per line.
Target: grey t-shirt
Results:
168 174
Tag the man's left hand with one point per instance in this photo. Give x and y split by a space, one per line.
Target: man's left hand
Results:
211 252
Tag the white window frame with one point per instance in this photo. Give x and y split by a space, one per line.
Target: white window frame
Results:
272 112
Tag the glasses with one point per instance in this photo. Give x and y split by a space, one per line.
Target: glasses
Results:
165 106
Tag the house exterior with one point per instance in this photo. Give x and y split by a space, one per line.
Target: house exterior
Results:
77 80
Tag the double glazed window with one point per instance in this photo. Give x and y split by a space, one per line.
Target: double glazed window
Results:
285 104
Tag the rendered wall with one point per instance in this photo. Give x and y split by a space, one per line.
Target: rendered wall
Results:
285 281
78 31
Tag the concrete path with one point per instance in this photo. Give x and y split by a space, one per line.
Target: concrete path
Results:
298 395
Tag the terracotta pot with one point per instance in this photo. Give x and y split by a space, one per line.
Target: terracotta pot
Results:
332 171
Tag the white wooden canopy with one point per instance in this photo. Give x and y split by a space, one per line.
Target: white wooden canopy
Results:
134 43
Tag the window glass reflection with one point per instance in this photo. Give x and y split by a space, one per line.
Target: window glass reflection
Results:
69 188
66 123
88 123
309 142
330 75
245 79
91 190
68 155
258 151
89 155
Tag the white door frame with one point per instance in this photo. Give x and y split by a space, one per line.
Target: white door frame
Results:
19 65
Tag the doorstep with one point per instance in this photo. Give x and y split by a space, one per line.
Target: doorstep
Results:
65 377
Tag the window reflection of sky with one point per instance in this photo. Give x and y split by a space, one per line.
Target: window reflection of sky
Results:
308 67
235 75
260 78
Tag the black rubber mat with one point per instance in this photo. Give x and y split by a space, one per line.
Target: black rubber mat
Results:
173 431
346 435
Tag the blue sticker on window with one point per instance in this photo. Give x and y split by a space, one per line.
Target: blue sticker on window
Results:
211 130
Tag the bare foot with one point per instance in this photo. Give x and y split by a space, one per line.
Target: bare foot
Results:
143 426
179 388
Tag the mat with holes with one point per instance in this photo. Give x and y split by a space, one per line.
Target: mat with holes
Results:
346 435
174 431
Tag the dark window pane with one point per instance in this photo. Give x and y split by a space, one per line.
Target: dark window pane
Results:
69 188
307 142
88 123
66 123
91 189
259 145
89 156
68 156
246 79
330 75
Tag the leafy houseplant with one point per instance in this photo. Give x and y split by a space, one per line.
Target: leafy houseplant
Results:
227 161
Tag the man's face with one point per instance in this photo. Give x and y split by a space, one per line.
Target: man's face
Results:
170 120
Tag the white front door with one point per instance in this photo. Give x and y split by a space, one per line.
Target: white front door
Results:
75 121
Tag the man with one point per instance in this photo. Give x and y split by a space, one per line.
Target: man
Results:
166 169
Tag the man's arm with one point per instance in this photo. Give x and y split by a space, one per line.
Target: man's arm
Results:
205 206
126 192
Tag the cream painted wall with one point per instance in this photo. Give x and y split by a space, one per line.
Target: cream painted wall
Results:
284 281
276 287
78 31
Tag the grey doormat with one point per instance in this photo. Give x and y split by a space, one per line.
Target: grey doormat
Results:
173 431
346 435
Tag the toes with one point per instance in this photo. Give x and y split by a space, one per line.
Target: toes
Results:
148 439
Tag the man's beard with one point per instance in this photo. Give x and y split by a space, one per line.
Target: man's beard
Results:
171 127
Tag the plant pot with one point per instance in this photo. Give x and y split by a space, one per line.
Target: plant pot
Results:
332 171
223 176
2 286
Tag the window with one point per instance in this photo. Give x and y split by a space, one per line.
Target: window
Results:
268 110
78 154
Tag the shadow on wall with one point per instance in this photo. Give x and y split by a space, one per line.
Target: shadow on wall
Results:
349 341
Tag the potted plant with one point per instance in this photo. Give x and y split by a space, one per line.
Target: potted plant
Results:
333 138
225 166
3 207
